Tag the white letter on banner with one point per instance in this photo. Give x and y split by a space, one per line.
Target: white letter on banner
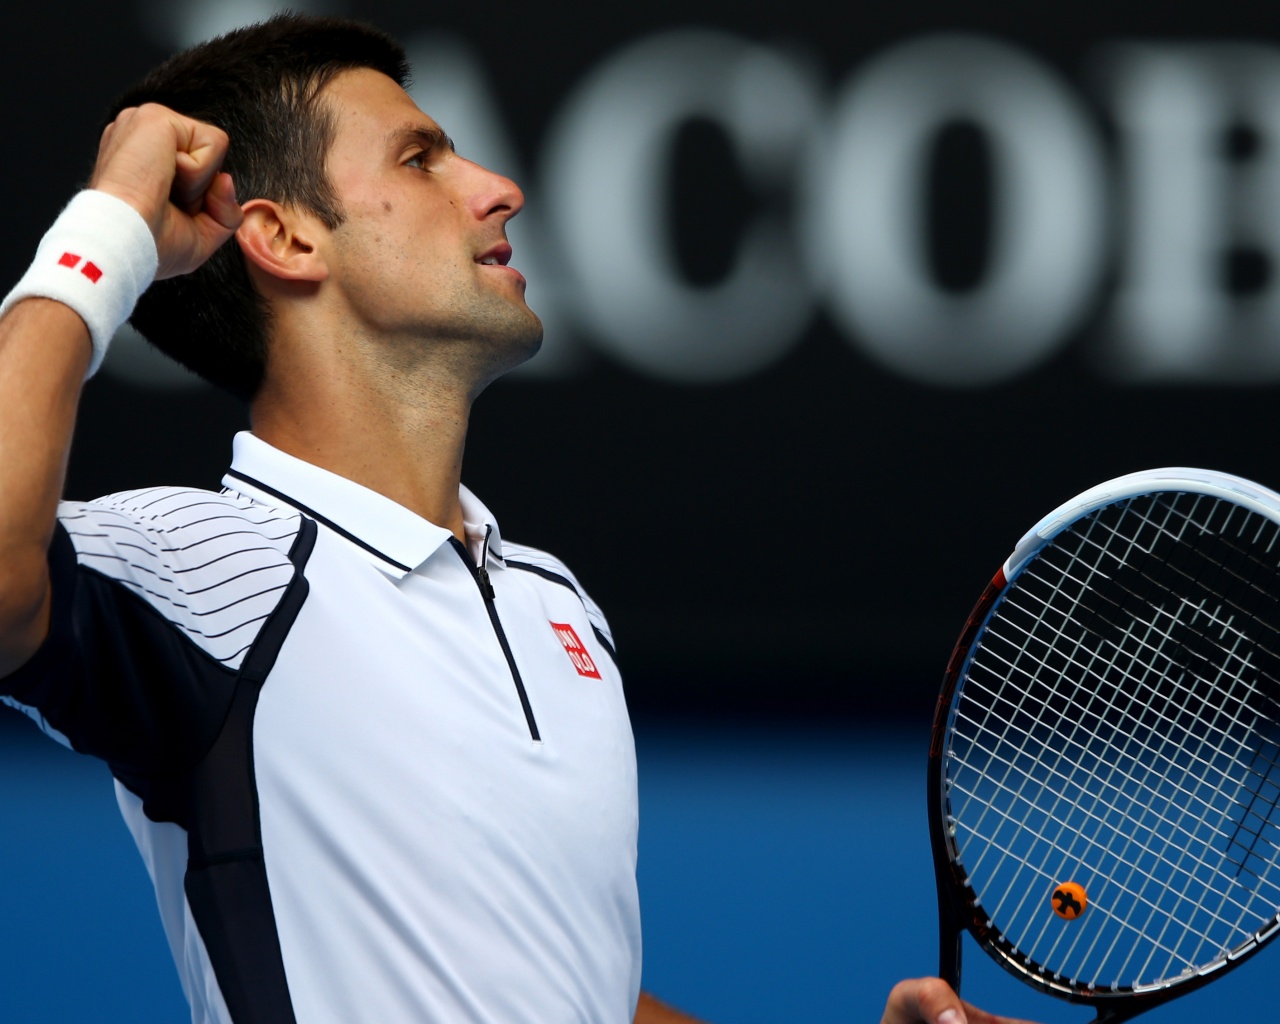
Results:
603 178
867 234
1186 206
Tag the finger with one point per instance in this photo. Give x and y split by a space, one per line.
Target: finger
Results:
932 1001
221 204
219 216
923 1001
201 149
139 158
109 131
189 241
977 1016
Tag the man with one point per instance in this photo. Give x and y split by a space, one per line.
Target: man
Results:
375 756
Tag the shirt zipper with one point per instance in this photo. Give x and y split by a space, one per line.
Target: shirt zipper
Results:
481 575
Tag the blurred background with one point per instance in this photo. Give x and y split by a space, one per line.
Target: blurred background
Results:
839 301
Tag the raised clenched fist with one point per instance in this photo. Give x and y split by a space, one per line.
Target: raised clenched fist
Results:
168 168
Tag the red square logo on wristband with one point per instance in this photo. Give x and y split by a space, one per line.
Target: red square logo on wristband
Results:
90 270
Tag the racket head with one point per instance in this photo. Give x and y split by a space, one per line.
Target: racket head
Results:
1152 788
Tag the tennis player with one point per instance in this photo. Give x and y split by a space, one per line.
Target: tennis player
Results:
374 754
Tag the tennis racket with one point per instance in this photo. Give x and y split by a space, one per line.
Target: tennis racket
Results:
1104 770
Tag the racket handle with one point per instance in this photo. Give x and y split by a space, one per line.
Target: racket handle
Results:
949 957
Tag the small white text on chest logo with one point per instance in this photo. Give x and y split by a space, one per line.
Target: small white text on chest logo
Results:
576 650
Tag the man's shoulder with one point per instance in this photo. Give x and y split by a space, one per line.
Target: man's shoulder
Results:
175 504
214 564
522 556
546 566
202 516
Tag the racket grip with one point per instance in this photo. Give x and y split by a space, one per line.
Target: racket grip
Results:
949 956
949 928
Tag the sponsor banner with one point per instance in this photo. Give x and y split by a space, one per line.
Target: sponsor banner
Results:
836 301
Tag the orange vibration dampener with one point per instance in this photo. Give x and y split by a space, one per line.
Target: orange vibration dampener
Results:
1069 900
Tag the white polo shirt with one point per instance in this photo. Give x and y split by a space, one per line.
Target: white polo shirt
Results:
376 775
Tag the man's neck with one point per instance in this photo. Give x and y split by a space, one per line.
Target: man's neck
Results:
405 444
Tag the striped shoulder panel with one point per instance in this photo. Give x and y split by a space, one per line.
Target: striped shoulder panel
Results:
517 556
215 565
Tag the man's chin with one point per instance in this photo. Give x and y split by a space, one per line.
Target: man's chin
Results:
526 336
513 344
529 347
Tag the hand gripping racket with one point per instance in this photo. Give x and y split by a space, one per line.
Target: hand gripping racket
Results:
1104 771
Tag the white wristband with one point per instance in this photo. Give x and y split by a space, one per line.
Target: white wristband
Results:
98 258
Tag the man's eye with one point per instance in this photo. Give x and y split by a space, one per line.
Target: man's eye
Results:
418 160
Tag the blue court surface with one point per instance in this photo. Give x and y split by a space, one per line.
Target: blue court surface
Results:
785 876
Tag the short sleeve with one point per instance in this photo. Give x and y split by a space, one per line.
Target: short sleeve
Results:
156 601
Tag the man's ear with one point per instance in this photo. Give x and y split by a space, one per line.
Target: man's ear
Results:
281 242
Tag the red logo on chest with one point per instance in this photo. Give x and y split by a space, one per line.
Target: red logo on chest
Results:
576 650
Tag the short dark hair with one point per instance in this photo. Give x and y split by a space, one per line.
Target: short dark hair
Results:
258 84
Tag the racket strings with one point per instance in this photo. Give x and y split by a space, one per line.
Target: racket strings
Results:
1183 646
1053 815
1151 780
1024 696
1079 714
1253 822
1152 653
1233 665
1190 561
1133 778
1071 852
1051 769
1183 554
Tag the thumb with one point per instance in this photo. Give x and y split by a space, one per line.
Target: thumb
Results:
924 1001
194 240
932 1001
220 214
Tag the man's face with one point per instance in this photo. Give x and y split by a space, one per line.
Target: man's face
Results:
422 253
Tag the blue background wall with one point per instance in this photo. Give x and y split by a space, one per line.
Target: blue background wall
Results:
784 873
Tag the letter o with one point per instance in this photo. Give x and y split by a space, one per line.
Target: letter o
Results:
864 212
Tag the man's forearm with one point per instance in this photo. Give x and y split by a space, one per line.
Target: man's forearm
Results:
149 160
44 353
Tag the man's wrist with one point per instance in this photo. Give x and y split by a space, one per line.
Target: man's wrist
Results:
97 258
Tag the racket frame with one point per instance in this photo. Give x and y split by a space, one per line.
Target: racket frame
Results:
958 909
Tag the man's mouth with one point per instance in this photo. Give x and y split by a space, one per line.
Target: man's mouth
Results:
498 256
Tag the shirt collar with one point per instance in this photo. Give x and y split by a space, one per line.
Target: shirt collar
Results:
391 536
